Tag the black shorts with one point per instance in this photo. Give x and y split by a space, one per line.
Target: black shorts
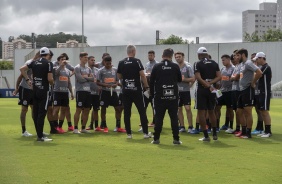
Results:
107 100
83 99
205 100
120 100
256 101
246 98
95 102
184 98
264 101
225 99
235 95
61 99
25 96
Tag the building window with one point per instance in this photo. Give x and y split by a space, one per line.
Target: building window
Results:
274 15
256 15
256 25
263 16
256 20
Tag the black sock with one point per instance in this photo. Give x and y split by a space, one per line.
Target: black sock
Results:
75 127
81 122
23 129
268 129
61 122
208 123
226 121
217 123
244 130
238 128
56 124
91 124
69 124
118 123
197 126
190 127
231 124
82 127
103 124
260 126
52 125
206 133
249 130
213 130
96 123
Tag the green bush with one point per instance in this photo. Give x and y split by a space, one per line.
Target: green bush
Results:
6 65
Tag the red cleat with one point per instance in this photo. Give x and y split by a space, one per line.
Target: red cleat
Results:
89 128
121 130
98 129
106 130
71 128
60 130
238 134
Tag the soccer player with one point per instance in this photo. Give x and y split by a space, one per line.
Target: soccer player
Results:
61 90
102 63
264 86
131 71
83 79
226 98
188 77
164 89
95 96
107 78
207 74
25 95
42 76
246 98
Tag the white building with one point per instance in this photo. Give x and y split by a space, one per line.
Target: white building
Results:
71 44
8 48
260 20
279 14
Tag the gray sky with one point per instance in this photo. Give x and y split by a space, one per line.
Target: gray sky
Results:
121 22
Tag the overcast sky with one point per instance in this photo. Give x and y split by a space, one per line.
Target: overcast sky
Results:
122 22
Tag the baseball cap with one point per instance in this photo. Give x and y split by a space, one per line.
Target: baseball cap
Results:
202 50
258 55
44 50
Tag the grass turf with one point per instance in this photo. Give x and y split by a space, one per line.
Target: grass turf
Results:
111 158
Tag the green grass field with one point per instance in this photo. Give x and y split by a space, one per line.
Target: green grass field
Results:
111 158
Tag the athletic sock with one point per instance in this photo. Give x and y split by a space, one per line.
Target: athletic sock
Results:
217 123
75 127
206 133
238 128
91 124
260 125
82 127
226 121
23 129
69 124
268 129
52 125
96 123
231 124
103 124
190 127
213 131
197 126
249 130
61 122
118 123
244 131
208 123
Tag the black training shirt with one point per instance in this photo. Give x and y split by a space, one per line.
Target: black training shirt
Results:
264 83
163 82
207 68
40 69
129 68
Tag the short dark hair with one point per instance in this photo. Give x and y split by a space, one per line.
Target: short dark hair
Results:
108 58
254 54
232 57
151 52
235 51
105 54
209 56
180 53
243 51
65 55
168 53
89 57
60 57
82 54
225 56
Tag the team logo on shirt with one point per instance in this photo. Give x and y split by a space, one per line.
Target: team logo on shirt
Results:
79 104
24 102
102 103
127 62
168 92
168 86
166 68
55 102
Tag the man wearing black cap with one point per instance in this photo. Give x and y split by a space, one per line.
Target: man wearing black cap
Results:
207 74
164 90
42 77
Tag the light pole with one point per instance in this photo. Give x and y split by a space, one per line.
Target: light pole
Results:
82 39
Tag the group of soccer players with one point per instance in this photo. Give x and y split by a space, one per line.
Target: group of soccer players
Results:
239 85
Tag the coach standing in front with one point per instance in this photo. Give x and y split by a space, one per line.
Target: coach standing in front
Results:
164 89
131 72
42 77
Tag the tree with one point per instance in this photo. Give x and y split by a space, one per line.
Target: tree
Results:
252 38
173 39
6 65
272 35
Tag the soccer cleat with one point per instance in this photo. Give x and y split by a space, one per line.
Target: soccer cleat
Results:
70 128
44 139
238 134
84 131
129 136
182 129
176 142
60 130
76 131
229 131
26 134
194 131
45 134
205 139
256 132
189 130
224 127
151 125
90 128
140 130
115 130
155 141
106 130
147 136
266 135
98 129
245 136
214 137
121 130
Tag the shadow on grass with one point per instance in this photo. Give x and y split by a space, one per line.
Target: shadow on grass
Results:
36 143
218 144
266 141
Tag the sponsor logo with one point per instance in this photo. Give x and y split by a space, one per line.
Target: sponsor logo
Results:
55 102
102 103
127 62
24 102
166 68
168 86
79 104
